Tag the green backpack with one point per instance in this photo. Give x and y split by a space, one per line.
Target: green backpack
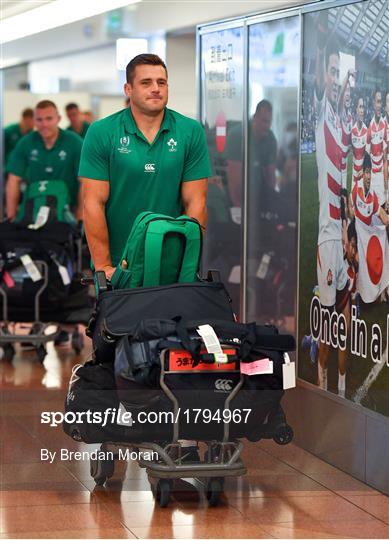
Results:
160 250
51 193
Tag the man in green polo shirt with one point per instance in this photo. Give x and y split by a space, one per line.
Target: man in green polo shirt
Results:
145 157
46 154
14 132
76 119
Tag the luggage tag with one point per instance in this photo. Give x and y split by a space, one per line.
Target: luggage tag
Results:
41 218
263 266
8 280
31 268
234 276
124 417
236 214
212 343
63 271
259 367
288 373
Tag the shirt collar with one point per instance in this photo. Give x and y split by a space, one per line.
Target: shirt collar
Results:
131 127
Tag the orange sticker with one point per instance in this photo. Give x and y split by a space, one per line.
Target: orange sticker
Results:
181 360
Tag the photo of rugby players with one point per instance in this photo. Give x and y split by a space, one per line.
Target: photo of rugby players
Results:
344 200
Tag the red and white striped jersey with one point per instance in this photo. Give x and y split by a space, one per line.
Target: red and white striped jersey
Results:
359 146
376 139
328 158
346 124
365 206
387 136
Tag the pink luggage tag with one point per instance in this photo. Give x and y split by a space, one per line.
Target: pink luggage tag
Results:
7 278
259 367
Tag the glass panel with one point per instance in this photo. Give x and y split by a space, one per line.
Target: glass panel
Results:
222 115
274 60
344 248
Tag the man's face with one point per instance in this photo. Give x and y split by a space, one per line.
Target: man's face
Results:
366 179
262 122
360 110
28 123
351 250
347 96
377 104
332 79
46 122
148 91
74 116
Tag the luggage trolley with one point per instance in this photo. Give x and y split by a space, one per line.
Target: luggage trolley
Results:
40 320
221 459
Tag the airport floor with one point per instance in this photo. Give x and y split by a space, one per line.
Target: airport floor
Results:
287 493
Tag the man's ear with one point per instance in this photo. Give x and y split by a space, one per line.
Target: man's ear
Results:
127 89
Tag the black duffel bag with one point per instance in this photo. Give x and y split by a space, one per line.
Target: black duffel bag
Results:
54 245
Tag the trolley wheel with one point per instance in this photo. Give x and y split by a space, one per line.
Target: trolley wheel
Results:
77 341
8 352
41 352
214 490
162 492
284 434
101 470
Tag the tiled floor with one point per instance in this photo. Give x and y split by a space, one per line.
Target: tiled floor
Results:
287 493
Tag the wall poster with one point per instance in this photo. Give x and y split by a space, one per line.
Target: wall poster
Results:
344 205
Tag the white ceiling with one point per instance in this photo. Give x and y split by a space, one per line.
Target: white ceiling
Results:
147 18
9 8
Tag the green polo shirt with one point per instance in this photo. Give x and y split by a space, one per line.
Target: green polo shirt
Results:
142 176
12 134
85 127
33 162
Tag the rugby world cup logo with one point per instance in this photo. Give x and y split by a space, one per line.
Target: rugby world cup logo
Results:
124 144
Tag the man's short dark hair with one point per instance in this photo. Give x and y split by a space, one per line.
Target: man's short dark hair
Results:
366 162
332 49
141 60
264 104
71 106
45 104
28 113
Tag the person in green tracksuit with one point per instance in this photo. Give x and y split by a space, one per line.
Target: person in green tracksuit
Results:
76 119
49 153
14 132
143 158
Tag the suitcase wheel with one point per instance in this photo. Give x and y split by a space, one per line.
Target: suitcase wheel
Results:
283 434
101 470
214 490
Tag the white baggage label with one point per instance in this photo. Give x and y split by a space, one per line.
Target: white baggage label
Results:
263 266
31 268
234 276
211 341
41 218
124 418
64 274
288 373
236 214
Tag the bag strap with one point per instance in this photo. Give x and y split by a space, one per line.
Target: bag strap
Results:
155 235
190 345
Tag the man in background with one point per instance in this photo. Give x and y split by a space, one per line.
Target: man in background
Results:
76 119
376 139
14 132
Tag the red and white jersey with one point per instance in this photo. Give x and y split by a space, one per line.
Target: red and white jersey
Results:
329 158
376 139
387 136
346 125
365 206
359 145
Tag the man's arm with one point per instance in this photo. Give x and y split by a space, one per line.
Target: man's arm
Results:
194 199
80 204
95 195
12 194
234 180
384 217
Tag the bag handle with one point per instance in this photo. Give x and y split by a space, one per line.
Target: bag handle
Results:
155 235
